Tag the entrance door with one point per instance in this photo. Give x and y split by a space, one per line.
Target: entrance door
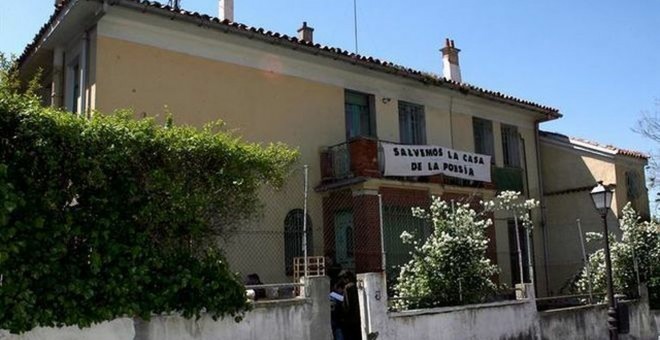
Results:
344 239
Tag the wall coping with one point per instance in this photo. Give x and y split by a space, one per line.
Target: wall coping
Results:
451 309
576 308
281 302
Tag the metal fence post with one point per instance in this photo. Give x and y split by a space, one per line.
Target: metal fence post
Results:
520 260
306 174
382 235
586 262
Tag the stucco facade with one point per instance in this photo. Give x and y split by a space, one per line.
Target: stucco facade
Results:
267 90
571 168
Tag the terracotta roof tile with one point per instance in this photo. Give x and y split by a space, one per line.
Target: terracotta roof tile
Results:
335 53
617 150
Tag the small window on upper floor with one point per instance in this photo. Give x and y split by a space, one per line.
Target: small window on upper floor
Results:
412 123
360 114
483 137
510 146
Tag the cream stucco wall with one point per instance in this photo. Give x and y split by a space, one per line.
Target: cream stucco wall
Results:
569 172
257 105
267 93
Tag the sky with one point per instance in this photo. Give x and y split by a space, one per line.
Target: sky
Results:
598 62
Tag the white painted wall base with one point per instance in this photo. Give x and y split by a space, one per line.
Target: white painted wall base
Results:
118 329
301 318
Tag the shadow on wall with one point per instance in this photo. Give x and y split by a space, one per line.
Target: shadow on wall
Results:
568 178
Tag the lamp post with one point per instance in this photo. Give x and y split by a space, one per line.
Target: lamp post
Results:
602 197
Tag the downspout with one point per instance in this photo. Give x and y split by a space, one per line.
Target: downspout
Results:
543 207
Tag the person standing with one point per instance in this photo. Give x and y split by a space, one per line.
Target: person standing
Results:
337 315
351 329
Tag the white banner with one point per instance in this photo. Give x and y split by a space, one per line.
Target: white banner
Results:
427 160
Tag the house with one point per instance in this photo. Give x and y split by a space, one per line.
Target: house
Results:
343 111
567 198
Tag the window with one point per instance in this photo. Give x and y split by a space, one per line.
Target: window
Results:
412 123
511 146
513 252
360 118
293 237
633 186
483 137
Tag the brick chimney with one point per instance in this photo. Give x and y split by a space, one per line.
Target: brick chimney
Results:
306 33
450 67
226 10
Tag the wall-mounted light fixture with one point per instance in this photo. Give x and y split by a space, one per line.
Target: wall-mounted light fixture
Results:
386 100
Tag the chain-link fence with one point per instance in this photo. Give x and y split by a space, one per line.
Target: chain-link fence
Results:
350 227
571 242
270 251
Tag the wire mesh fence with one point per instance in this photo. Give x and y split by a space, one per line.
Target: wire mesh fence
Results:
573 282
354 228
265 250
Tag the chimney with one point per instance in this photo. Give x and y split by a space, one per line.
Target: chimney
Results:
226 10
450 68
306 33
59 3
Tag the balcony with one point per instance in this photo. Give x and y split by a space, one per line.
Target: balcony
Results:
361 158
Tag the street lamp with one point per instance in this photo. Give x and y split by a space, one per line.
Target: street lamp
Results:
602 197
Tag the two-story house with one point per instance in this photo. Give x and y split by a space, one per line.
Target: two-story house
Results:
339 109
570 167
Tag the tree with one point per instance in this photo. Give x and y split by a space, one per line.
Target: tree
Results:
649 126
109 216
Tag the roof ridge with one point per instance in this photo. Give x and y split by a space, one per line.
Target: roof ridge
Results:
368 61
616 149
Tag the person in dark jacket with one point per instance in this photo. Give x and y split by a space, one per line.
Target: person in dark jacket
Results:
351 329
337 314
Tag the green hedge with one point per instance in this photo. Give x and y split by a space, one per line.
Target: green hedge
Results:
111 216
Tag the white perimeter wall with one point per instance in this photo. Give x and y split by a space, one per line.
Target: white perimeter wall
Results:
590 322
307 318
499 320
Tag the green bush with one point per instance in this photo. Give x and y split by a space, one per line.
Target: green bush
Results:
635 255
451 267
111 216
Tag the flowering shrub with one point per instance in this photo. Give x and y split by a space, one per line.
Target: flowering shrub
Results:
637 253
511 202
451 266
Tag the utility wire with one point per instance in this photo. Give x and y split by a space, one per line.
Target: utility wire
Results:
355 24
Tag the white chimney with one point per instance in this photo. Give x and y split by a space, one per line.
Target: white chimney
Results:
226 10
306 33
450 67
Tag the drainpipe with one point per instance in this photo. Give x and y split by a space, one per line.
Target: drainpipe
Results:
543 207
